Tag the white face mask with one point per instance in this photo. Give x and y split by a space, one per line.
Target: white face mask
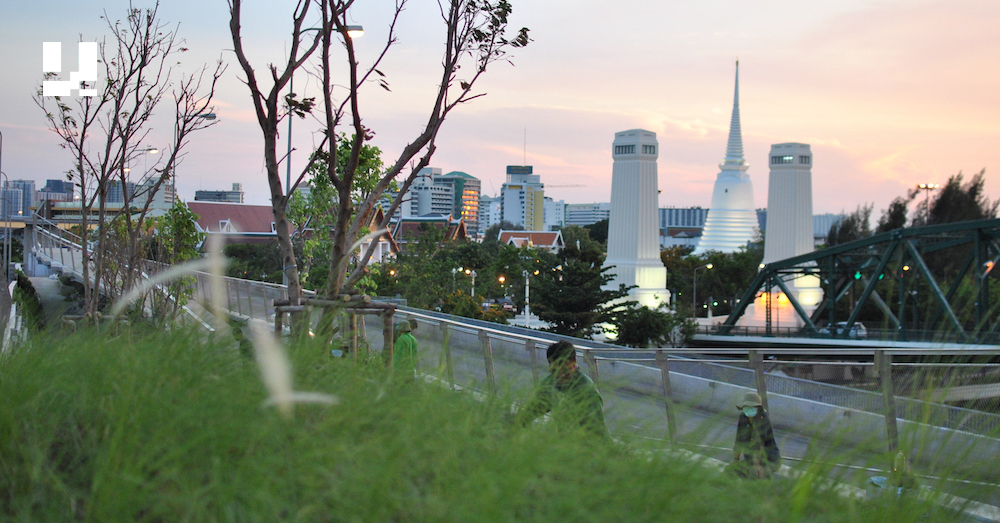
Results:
750 411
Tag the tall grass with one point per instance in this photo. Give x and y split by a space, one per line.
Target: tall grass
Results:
169 427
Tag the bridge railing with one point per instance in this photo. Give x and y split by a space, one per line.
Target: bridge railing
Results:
875 334
851 385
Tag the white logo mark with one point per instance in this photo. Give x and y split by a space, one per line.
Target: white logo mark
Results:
52 63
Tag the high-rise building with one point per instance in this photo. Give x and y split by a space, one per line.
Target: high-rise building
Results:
55 191
587 213
27 199
633 227
489 212
731 221
523 198
11 202
118 193
555 214
467 190
427 197
233 196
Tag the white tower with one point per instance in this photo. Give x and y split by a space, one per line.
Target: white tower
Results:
790 214
789 202
633 227
731 219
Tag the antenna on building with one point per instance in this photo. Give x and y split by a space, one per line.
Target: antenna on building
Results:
524 159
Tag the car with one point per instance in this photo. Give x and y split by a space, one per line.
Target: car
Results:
858 330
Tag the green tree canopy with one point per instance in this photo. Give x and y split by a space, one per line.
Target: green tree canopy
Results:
571 296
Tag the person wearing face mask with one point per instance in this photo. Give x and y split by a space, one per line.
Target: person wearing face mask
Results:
569 394
755 454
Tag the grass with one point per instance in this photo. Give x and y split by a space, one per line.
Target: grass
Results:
155 426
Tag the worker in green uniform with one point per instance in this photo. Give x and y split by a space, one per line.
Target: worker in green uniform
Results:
569 394
405 356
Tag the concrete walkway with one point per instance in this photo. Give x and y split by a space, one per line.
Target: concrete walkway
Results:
54 304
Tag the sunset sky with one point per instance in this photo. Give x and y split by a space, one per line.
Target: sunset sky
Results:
888 93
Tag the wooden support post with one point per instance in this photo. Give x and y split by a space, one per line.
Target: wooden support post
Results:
668 395
533 355
591 360
757 364
353 335
445 345
278 318
883 367
491 380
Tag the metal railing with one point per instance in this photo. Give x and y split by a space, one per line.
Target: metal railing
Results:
744 368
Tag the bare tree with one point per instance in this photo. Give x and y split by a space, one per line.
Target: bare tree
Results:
105 135
475 39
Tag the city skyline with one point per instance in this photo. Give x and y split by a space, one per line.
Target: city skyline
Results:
889 94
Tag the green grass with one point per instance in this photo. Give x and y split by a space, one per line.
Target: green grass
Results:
167 427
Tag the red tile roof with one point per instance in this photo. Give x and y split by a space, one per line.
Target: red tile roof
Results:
532 238
241 218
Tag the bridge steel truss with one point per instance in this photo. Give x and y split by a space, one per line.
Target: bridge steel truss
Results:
945 268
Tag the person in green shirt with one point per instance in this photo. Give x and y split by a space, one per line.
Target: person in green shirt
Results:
569 394
404 360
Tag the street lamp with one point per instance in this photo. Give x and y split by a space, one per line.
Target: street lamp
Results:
527 301
473 274
503 279
927 188
694 293
353 31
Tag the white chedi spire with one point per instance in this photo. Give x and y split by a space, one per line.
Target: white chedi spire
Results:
731 221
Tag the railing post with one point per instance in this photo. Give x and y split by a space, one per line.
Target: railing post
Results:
883 368
591 360
529 346
491 381
446 346
388 348
668 395
757 364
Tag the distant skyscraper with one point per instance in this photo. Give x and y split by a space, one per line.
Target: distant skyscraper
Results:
633 227
27 199
118 194
467 190
523 198
731 221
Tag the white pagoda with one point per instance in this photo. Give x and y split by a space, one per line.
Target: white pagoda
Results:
732 220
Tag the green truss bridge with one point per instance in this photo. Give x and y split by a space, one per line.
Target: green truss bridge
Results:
922 284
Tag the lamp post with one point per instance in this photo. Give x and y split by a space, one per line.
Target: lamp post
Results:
694 291
927 188
473 274
353 31
6 240
502 279
527 300
454 282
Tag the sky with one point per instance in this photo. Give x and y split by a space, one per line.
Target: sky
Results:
888 93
